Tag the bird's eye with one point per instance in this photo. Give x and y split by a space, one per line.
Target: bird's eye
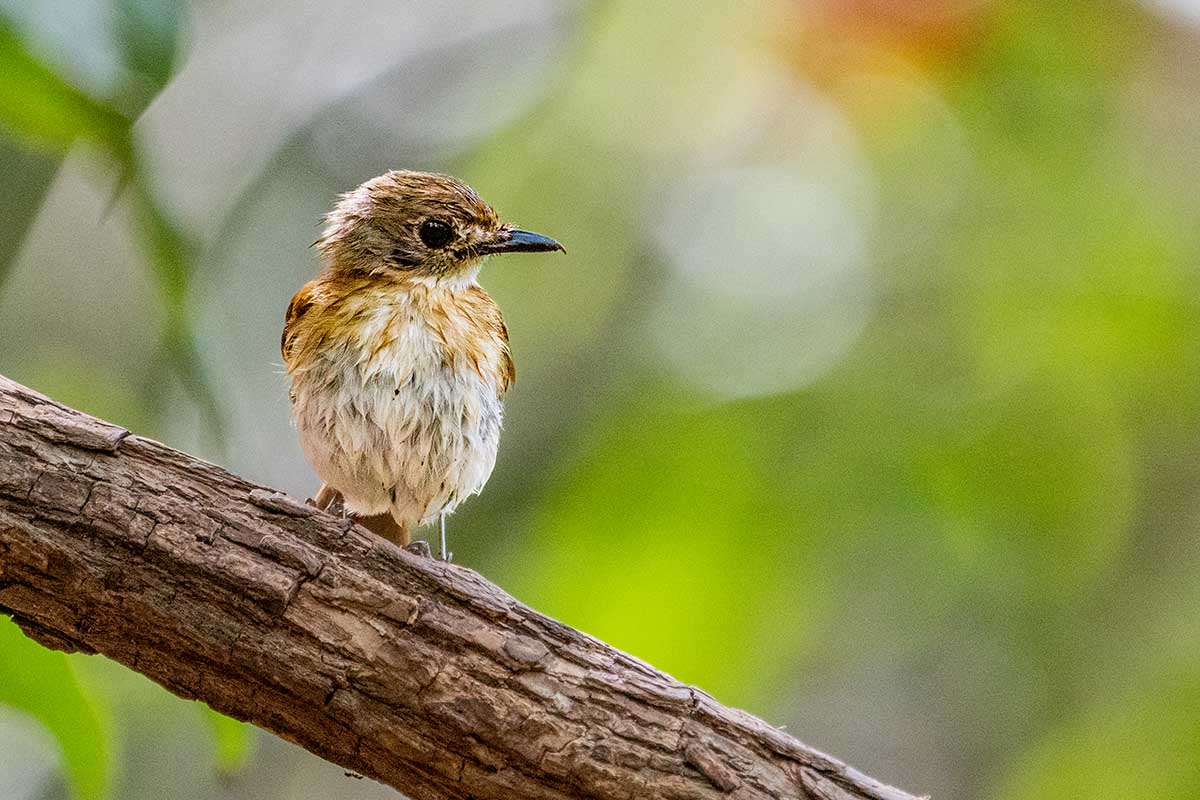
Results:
436 233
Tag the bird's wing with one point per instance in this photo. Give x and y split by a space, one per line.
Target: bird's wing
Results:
486 314
508 371
301 303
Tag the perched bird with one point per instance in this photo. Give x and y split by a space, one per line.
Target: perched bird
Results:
398 359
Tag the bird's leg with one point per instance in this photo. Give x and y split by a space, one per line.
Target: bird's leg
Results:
444 553
327 499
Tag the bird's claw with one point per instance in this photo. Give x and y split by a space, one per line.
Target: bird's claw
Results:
419 548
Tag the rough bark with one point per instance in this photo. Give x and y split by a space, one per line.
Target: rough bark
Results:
417 673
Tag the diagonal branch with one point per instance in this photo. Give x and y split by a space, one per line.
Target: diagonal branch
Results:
419 674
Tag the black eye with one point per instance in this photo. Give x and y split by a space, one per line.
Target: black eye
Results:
435 233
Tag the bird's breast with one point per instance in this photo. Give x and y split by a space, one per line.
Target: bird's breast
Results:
408 341
402 396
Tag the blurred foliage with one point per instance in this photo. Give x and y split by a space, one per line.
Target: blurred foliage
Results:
231 740
38 105
27 177
915 474
1140 746
43 683
148 32
41 107
699 485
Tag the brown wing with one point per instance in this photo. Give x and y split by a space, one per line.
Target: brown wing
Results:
490 322
300 304
508 370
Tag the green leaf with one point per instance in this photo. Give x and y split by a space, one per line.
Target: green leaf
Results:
42 108
171 254
231 740
37 105
27 176
148 31
43 684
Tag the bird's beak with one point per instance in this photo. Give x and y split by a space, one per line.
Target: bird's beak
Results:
518 241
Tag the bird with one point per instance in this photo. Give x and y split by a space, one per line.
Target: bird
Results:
398 359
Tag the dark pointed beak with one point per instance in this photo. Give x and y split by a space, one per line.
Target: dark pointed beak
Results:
518 241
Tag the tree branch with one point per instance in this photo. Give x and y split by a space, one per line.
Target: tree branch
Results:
417 673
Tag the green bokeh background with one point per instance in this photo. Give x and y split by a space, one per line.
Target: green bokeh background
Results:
867 397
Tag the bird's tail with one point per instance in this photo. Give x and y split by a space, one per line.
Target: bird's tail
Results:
330 499
386 526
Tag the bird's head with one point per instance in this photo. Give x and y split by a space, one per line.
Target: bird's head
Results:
419 224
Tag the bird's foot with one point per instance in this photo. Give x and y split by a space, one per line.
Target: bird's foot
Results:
419 548
335 507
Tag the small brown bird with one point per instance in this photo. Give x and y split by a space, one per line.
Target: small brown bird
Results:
398 359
